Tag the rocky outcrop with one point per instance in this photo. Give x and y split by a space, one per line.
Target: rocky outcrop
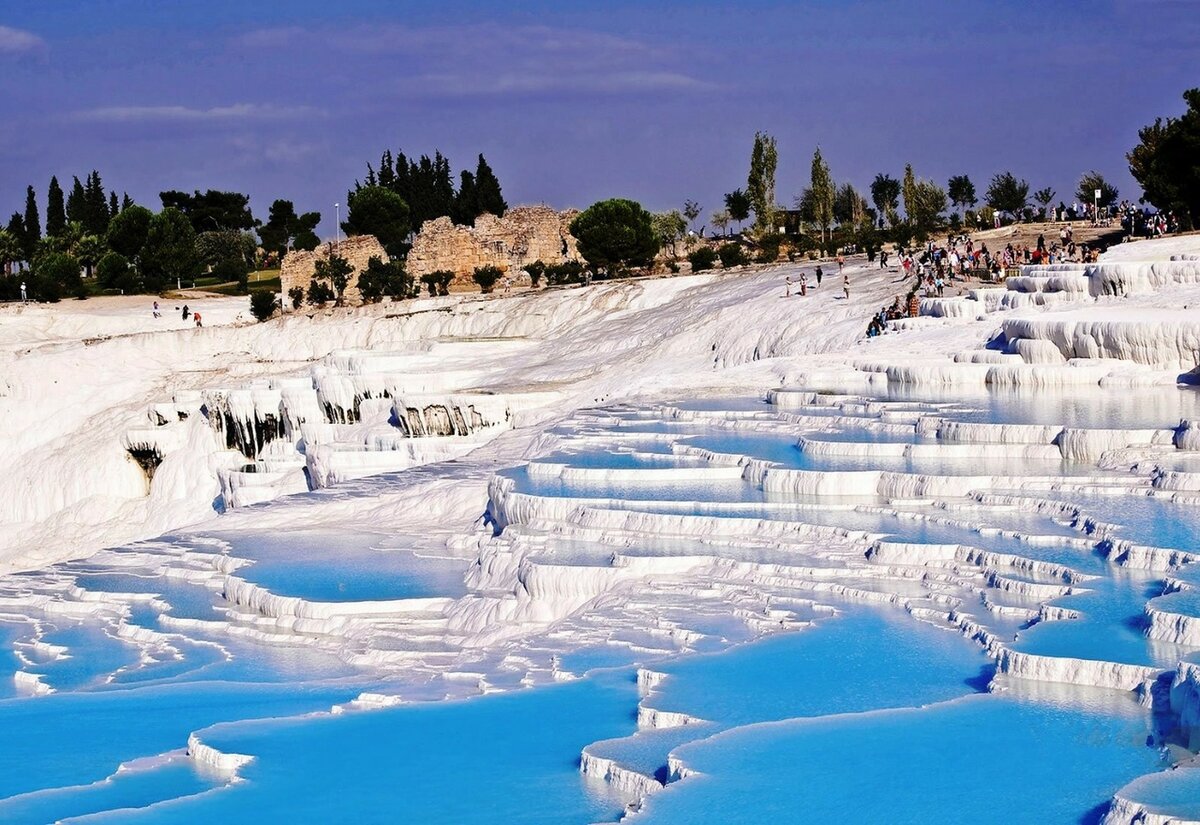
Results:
523 235
298 266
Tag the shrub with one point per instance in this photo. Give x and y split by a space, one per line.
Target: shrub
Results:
536 270
673 267
438 282
768 248
731 255
380 279
319 293
702 259
486 277
262 304
568 272
296 294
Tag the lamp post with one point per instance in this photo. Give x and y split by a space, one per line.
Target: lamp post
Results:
1097 207
337 226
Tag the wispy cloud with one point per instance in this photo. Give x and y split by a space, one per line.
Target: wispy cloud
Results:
19 41
188 114
494 60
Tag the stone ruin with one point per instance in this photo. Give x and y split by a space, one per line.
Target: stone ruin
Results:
299 266
523 235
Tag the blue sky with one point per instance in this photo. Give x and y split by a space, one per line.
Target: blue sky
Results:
572 102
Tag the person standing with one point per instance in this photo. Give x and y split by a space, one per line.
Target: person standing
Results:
186 312
846 286
803 285
841 261
819 274
199 323
155 311
787 286
24 296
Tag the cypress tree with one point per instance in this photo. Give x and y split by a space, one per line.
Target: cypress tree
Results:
77 203
113 206
96 210
56 210
487 186
466 203
126 201
33 224
16 228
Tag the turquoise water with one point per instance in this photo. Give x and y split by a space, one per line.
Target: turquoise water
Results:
505 758
979 759
870 716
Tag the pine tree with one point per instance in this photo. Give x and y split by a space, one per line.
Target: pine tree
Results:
487 186
56 210
113 206
32 224
126 201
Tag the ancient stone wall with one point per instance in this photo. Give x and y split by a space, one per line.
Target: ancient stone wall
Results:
523 235
298 266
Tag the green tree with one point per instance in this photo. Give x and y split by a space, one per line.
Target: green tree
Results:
32 224
89 251
909 190
374 210
56 210
1043 198
823 192
336 271
487 187
737 203
1164 162
961 191
1007 193
169 253
1089 183
486 277
59 268
381 279
77 203
96 214
849 207
615 234
760 183
466 202
113 272
928 203
720 219
213 210
669 228
10 250
885 194
286 230
262 304
691 211
127 231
